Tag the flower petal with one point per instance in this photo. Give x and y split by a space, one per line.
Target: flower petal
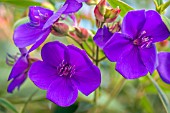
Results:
163 67
42 38
25 35
133 23
19 67
42 74
155 27
54 17
39 15
149 58
73 6
53 53
102 36
130 65
78 57
116 46
87 80
80 1
62 92
16 82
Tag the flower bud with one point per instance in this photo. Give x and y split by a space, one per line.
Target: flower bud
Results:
164 43
115 28
60 29
99 10
111 14
91 2
80 34
104 13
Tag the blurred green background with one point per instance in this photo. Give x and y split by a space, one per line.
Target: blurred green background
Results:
137 96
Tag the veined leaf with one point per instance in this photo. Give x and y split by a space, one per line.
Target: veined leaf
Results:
8 105
23 3
122 5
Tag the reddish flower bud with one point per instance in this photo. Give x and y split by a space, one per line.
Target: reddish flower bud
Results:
104 13
111 14
99 10
92 2
164 43
60 29
80 34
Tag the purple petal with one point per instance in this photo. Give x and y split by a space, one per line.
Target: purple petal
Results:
17 82
154 27
102 36
19 67
53 53
130 65
116 46
73 6
42 38
62 92
80 1
133 23
39 15
42 74
149 58
87 80
25 35
78 57
55 17
163 67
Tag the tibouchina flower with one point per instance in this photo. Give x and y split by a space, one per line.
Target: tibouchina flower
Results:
19 71
41 20
102 36
63 71
31 32
134 49
164 66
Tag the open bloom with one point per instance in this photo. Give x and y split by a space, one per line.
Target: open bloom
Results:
102 36
63 71
39 27
19 71
164 66
134 49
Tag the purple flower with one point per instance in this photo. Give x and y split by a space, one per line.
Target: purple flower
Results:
134 49
102 36
163 67
41 20
63 71
31 32
19 71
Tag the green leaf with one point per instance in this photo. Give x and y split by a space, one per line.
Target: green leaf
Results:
166 21
7 105
161 94
158 2
23 3
123 6
21 21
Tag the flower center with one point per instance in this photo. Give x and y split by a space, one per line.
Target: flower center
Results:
65 69
143 41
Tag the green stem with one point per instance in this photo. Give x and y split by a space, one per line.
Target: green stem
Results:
96 93
161 94
26 103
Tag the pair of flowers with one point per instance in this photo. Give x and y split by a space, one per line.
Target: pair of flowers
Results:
133 49
60 72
